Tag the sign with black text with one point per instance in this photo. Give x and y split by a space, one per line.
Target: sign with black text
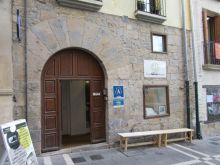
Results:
18 144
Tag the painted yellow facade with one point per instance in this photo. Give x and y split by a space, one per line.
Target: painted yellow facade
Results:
127 8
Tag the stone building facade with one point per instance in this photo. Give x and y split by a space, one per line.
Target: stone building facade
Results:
207 71
120 44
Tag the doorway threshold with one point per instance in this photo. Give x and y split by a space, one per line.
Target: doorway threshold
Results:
78 149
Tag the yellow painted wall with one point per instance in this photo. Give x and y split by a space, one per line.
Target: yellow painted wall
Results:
127 8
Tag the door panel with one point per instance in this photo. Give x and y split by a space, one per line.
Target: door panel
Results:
50 105
82 65
50 139
97 111
50 130
66 64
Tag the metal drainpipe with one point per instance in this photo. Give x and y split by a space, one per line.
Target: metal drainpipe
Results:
186 64
198 130
25 59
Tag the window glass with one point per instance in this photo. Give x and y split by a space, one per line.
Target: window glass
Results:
159 44
213 103
155 101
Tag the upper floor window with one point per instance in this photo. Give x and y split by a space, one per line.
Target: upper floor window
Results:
211 24
151 10
152 6
159 43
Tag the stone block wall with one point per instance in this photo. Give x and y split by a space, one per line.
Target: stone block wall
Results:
120 43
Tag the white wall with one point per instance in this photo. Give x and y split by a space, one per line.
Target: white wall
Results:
74 108
204 77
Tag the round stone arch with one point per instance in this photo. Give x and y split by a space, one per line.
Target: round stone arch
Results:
43 42
71 64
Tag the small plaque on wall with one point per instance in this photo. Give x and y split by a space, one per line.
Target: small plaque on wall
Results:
155 69
118 96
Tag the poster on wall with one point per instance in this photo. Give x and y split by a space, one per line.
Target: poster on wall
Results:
118 96
217 51
18 144
156 69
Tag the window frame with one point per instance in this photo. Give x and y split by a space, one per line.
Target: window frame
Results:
164 37
211 118
167 101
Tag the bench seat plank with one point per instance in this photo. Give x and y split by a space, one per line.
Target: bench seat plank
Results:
161 134
139 134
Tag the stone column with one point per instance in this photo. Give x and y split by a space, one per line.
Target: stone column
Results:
6 76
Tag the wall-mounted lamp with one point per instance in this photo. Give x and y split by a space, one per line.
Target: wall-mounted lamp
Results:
18 25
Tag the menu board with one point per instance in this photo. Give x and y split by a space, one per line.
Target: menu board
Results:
18 144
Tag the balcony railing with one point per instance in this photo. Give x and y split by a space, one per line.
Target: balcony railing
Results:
151 10
212 52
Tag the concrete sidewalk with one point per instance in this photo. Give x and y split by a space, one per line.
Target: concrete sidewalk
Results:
199 152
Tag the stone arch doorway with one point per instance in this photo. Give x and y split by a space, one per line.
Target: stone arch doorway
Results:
71 65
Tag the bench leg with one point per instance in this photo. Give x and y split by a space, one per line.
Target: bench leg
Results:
190 136
159 140
121 143
186 136
126 144
165 140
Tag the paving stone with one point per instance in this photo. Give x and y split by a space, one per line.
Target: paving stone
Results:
58 160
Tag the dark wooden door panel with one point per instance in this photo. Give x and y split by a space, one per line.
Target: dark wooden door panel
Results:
50 123
50 86
66 64
70 64
50 105
82 64
99 117
50 70
50 116
98 134
97 111
95 69
50 141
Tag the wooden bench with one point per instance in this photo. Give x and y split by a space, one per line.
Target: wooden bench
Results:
160 137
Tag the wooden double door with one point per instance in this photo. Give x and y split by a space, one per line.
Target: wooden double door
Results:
70 65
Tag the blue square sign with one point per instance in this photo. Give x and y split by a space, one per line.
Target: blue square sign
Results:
118 91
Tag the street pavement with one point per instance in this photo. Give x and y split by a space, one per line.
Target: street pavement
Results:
199 152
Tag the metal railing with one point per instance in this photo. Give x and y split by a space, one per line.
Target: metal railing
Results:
212 52
157 7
